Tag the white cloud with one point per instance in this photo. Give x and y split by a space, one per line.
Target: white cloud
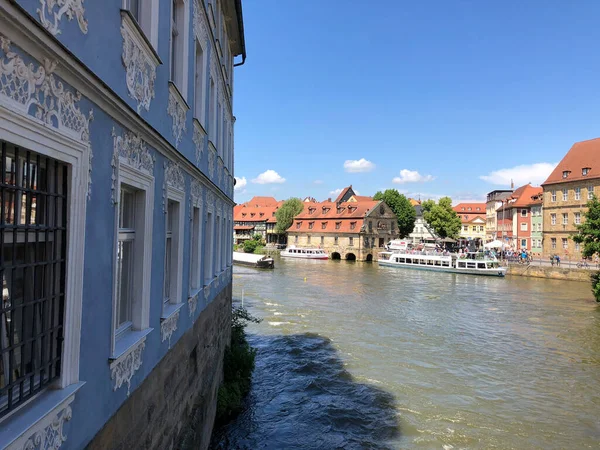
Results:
240 183
335 191
523 174
269 177
358 165
411 176
318 182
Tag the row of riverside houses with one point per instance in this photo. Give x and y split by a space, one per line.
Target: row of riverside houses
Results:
116 132
257 216
542 219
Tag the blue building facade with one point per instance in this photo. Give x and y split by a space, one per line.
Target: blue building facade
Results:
116 133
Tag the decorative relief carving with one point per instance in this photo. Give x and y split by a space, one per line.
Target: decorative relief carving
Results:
196 190
210 201
174 175
220 168
200 26
51 437
168 327
140 65
206 292
193 304
127 365
69 7
212 156
198 139
177 109
129 149
27 87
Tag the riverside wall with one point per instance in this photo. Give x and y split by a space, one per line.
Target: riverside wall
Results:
554 273
175 406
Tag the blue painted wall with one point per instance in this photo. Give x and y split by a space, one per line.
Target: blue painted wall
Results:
100 51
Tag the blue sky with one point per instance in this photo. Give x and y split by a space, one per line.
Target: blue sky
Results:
435 98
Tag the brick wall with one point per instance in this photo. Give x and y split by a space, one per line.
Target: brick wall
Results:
175 406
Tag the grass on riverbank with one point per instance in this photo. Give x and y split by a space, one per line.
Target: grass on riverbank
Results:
238 365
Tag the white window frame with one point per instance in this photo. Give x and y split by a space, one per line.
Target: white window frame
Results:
200 110
577 193
553 243
148 22
196 244
523 243
553 219
523 213
553 196
24 131
565 218
523 226
175 294
142 256
565 243
565 193
590 192
577 218
179 74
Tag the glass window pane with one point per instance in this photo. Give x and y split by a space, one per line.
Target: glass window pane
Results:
125 281
127 209
167 270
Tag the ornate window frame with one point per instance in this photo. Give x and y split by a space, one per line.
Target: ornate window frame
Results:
132 164
34 134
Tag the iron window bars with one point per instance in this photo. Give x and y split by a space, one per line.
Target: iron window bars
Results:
33 240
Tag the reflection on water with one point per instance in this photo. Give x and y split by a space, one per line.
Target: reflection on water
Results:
356 356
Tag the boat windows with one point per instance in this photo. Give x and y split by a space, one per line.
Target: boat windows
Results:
437 262
430 262
445 263
462 265
408 261
471 265
481 265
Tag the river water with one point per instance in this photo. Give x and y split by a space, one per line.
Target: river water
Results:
354 356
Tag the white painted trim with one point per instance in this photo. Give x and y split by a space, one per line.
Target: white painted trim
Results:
143 267
177 263
32 134
16 26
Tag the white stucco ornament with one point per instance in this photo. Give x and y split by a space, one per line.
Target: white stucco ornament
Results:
51 437
168 327
193 304
200 27
28 87
57 9
177 109
212 156
125 367
140 65
198 139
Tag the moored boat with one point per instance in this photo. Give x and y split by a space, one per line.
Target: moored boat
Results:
470 263
304 253
252 260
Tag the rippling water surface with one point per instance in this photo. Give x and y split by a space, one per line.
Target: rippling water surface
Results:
351 355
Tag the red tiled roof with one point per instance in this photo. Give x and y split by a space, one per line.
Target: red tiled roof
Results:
251 213
584 154
522 197
362 198
327 213
463 208
262 201
339 197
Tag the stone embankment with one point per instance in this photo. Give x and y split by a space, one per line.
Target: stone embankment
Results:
550 272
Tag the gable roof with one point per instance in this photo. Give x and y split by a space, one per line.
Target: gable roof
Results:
324 217
584 154
345 194
262 201
523 197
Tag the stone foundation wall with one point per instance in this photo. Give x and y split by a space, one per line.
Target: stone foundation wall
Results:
553 273
175 406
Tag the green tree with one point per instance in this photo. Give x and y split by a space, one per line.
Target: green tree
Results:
589 235
401 206
250 245
286 213
441 217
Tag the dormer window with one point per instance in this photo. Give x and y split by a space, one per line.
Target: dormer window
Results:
566 173
323 225
325 210
462 209
311 225
243 214
262 214
298 225
585 171
252 214
469 208
338 225
311 210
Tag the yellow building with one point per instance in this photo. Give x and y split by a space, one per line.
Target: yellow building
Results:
566 192
473 220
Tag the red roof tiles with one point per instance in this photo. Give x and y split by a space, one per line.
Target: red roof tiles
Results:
329 217
583 155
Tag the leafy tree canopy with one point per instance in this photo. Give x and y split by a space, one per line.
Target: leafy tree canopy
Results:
286 213
401 206
589 229
441 217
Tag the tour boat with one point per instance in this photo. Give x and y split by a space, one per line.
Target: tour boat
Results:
470 263
304 253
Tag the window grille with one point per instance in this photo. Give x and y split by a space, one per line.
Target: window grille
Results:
33 240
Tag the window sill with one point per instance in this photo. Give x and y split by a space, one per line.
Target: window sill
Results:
134 30
37 416
176 93
170 310
127 342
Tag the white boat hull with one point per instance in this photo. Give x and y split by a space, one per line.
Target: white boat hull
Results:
304 253
497 272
